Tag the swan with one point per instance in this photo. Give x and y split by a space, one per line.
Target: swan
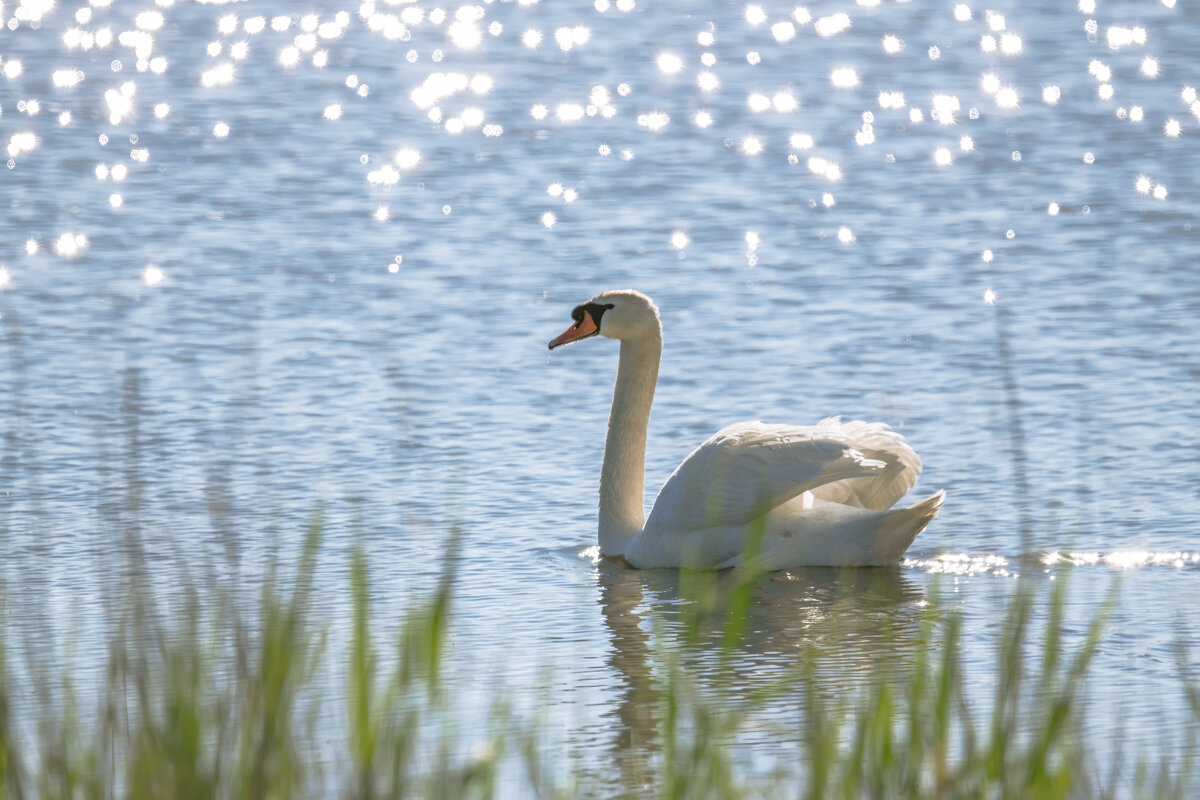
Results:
790 495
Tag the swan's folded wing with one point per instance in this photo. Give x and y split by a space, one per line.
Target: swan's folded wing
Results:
749 468
878 442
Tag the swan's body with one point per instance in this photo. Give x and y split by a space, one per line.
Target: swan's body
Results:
817 495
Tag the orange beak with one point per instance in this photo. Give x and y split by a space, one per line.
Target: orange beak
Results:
580 330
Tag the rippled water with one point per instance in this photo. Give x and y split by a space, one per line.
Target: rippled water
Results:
255 261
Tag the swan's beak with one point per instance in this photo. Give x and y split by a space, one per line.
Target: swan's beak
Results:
582 329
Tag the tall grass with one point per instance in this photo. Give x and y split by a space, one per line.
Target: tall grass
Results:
221 705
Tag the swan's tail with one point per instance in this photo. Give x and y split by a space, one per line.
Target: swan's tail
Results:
901 526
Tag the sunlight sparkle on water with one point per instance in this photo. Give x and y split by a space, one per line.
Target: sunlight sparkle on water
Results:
149 20
573 112
1124 559
962 12
961 564
1160 192
892 44
845 235
5 278
569 38
20 143
801 15
655 120
679 240
1136 114
942 157
708 81
783 31
1119 37
755 15
1051 95
966 144
832 25
1172 128
1149 67
669 63
1100 71
70 244
801 141
67 78
220 130
548 219
752 146
945 106
844 78
333 112
825 168
531 38
153 276
31 247
703 119
1007 98
406 158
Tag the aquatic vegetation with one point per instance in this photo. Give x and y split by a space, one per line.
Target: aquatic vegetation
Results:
213 703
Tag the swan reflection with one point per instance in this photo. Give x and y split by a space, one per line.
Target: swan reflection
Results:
849 623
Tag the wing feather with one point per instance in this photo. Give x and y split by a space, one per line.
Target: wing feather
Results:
746 469
878 442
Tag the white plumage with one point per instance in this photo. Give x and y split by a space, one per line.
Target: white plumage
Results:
818 495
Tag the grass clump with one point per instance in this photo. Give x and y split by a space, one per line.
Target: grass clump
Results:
218 705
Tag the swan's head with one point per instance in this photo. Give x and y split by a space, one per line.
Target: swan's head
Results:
623 314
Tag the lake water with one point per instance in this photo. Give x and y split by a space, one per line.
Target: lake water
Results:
256 262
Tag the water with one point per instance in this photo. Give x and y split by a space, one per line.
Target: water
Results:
313 287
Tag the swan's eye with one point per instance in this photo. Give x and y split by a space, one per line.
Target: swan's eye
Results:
595 310
577 315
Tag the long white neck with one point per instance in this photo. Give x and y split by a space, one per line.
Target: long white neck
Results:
623 475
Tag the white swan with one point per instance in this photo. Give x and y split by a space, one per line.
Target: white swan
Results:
820 495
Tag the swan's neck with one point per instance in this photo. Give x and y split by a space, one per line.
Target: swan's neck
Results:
623 476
